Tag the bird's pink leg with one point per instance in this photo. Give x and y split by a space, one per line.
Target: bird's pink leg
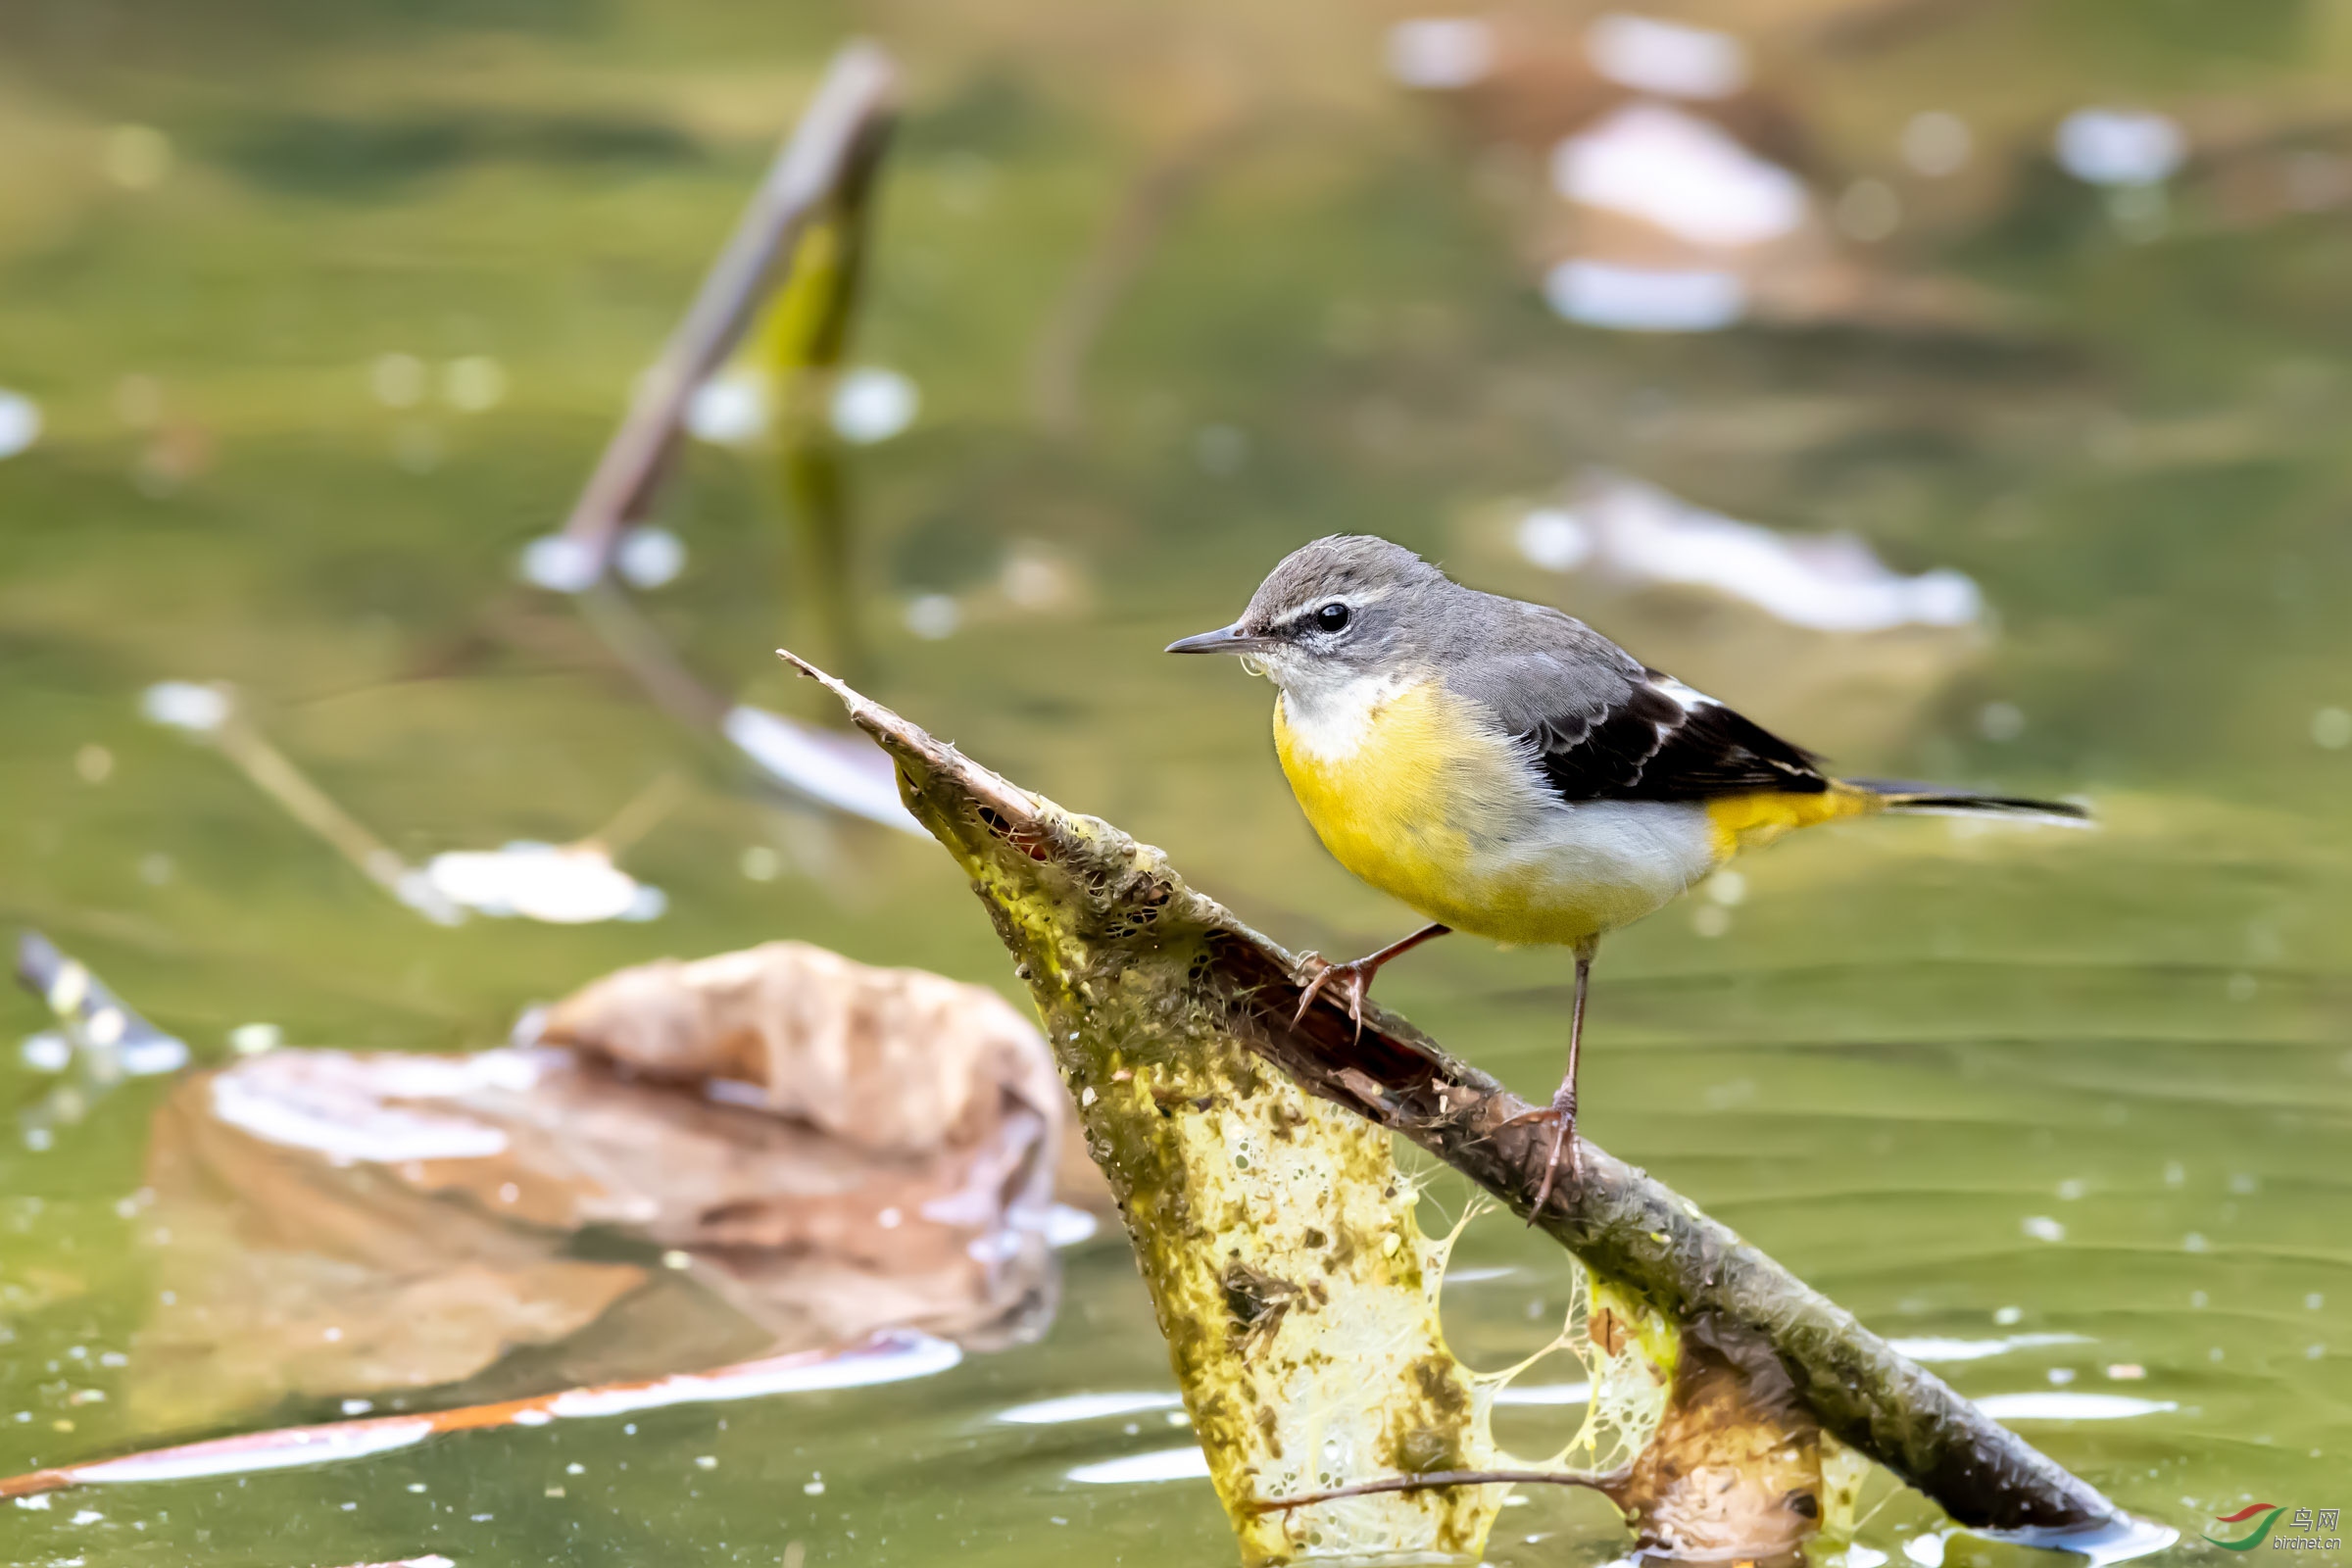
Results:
1355 975
1561 1112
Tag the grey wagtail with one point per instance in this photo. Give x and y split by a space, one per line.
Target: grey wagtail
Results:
1506 771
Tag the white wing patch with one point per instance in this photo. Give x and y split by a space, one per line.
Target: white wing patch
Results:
1684 697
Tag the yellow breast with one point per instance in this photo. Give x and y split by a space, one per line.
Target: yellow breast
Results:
1410 793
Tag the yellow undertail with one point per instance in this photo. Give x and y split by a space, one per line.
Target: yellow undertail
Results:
1742 822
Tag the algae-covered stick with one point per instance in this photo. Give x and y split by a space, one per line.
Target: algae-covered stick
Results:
1165 1014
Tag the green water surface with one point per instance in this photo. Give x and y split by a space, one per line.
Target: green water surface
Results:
2093 1086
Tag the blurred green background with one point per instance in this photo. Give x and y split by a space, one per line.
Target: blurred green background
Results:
327 309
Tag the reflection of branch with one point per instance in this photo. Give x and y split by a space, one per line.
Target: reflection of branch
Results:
810 214
1111 940
646 808
228 728
646 654
833 769
851 102
1058 369
278 778
809 335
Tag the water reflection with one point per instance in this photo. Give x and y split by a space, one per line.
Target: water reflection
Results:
886 1358
362 1227
1187 1463
1640 536
98 1042
2117 409
20 422
1086 1407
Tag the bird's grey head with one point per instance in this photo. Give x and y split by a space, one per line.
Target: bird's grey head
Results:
1342 606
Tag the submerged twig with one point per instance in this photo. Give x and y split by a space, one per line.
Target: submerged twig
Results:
795 253
216 713
850 107
1440 1478
799 348
243 743
103 1039
1108 914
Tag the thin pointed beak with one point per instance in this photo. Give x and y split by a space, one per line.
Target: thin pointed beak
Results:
1224 639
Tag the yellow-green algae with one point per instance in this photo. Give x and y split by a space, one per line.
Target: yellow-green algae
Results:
1275 1231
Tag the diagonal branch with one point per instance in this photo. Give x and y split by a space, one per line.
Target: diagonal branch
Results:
1123 899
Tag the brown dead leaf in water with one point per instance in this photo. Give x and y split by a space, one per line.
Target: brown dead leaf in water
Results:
337 1224
886 1058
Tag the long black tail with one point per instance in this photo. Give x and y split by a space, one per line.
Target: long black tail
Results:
1929 800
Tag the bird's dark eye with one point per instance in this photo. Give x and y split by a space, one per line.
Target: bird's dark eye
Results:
1332 616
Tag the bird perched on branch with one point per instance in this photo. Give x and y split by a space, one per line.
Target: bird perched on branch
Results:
1506 771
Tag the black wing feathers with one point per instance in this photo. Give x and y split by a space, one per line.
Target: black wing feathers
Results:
1651 748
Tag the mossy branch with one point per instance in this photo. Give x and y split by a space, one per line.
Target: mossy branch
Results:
1085 909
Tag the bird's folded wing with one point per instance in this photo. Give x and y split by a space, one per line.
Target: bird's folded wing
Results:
1649 738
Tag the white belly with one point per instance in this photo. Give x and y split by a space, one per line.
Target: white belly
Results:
1568 872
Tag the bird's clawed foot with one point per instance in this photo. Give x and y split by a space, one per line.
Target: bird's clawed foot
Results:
1353 979
1561 1113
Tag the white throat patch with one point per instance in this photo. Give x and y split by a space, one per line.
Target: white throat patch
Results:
1330 722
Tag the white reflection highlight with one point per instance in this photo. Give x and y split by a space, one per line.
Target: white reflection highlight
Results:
1086 1407
851 774
1545 1394
1556 541
343 1110
1685 175
871 403
1646 299
559 563
574 884
730 409
184 705
1666 57
1478 1276
1168 1464
2121 146
1930 1348
2054 1406
890 1357
1441 54
20 422
268 1451
1828 582
650 557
